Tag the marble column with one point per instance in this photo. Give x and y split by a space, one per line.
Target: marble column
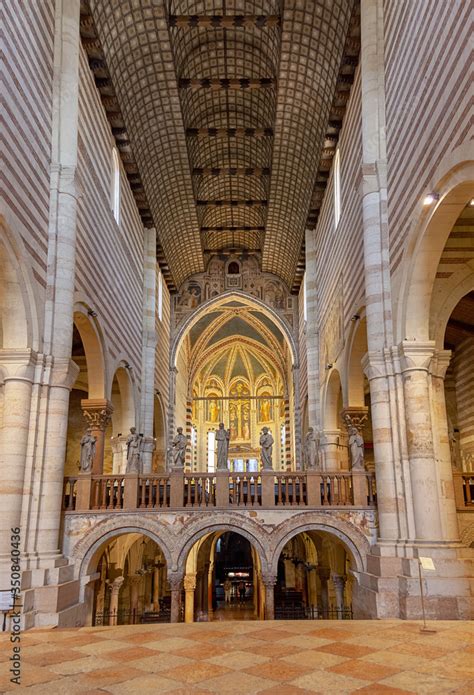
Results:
171 415
149 343
329 448
119 454
312 333
189 589
187 432
114 599
135 582
210 590
176 583
98 414
415 358
18 369
297 418
449 520
339 582
376 263
156 588
287 435
324 573
269 582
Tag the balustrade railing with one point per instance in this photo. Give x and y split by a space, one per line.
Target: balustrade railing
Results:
199 491
107 492
177 490
467 489
245 490
154 492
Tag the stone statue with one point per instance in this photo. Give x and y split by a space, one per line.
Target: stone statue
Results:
356 447
134 448
88 443
222 439
178 449
311 450
266 443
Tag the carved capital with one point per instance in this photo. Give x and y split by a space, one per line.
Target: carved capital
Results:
324 573
355 416
269 580
175 580
97 412
116 585
440 363
339 581
189 582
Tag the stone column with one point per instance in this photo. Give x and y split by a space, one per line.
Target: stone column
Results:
18 369
376 261
297 418
171 413
312 333
449 521
415 358
324 573
287 434
329 448
210 588
189 588
98 414
269 582
339 582
176 582
114 599
149 342
188 427
135 582
119 453
156 588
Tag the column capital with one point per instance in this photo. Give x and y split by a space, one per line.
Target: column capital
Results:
175 580
116 585
97 412
339 580
440 363
189 582
355 416
324 573
19 364
416 355
269 580
135 579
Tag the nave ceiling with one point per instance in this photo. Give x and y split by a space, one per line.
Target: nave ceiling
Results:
226 114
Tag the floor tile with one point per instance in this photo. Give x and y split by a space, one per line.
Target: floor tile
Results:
228 684
195 672
238 660
327 682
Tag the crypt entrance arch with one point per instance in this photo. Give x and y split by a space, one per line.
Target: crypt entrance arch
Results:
234 360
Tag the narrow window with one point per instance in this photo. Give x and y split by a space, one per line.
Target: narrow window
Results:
211 443
116 185
337 188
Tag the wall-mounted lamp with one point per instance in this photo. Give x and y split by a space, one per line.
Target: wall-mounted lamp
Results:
127 366
329 365
92 313
356 317
430 198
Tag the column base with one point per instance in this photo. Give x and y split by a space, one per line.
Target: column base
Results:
390 588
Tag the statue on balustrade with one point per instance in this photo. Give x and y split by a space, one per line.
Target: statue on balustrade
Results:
356 447
222 439
311 450
88 443
178 449
266 444
134 450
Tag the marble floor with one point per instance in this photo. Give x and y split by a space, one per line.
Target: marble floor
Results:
244 657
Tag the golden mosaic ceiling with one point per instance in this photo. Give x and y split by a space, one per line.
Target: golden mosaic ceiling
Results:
227 105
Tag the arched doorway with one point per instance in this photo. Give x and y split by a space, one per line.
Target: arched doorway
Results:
223 579
234 365
315 578
132 584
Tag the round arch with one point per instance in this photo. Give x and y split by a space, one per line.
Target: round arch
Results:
18 311
91 337
452 300
330 401
123 401
424 248
353 540
240 526
89 549
222 299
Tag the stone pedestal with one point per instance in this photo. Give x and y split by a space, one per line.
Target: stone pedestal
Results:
98 414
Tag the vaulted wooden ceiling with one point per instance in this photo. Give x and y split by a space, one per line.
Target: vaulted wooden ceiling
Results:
227 114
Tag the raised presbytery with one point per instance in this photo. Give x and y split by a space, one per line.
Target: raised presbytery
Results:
237 311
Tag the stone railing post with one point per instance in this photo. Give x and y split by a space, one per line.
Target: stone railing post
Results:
268 489
359 488
97 413
83 492
313 488
222 488
130 493
176 581
176 488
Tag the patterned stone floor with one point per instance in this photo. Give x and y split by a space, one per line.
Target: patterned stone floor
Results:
220 658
